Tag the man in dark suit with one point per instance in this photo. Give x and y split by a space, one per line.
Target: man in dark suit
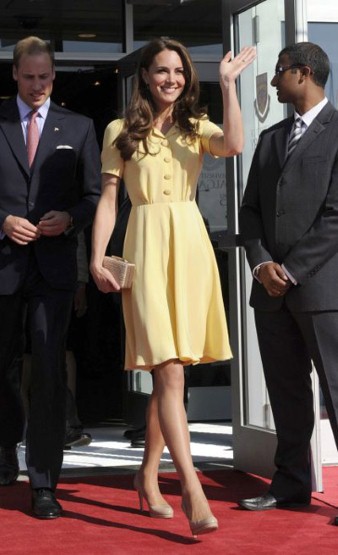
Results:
289 224
43 206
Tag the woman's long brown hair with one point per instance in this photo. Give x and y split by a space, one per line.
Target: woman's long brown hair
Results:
141 111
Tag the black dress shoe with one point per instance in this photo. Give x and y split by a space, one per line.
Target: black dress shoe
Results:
9 465
44 504
135 433
138 442
263 503
138 439
268 501
128 434
76 437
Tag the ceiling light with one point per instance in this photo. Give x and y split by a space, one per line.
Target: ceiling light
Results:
86 35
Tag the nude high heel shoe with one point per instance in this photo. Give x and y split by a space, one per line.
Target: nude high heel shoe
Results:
204 526
155 511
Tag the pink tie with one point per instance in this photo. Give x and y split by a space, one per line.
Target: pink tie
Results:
32 137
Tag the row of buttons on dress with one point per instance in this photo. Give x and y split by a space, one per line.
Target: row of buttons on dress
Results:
166 159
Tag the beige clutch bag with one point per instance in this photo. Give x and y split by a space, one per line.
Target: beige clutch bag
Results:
121 270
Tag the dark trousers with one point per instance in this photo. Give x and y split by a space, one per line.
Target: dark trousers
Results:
288 342
47 311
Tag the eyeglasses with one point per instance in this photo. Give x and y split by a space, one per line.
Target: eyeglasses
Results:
279 70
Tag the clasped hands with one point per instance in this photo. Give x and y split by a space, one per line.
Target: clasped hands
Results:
274 279
22 231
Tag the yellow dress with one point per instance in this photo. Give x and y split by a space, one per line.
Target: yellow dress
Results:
174 309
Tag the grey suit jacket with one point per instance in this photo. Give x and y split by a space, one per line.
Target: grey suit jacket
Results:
289 213
65 176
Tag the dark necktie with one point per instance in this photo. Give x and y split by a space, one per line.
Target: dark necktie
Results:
295 135
32 137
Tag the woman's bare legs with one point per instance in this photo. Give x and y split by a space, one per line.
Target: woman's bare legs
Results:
167 424
154 445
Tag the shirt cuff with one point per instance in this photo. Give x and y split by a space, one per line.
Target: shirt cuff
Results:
256 269
290 276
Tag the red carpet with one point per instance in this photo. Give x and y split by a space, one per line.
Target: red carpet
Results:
101 518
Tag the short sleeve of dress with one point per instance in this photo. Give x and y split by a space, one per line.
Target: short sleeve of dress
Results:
110 156
206 130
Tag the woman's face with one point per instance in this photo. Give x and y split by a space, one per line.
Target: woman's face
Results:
165 77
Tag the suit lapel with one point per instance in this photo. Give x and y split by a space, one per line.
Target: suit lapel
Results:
52 132
280 140
51 135
315 129
10 125
309 136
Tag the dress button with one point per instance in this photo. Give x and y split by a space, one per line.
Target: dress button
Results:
167 159
166 192
165 142
167 176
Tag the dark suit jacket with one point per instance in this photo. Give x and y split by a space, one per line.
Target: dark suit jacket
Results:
65 176
289 213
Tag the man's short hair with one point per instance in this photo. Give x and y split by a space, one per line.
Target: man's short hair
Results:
31 46
312 55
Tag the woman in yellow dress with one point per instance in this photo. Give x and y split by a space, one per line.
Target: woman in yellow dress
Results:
174 312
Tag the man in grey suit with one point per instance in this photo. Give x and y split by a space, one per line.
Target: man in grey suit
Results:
47 195
289 224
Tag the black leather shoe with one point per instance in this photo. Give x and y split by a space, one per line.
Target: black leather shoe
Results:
44 504
139 438
9 465
128 434
268 501
135 433
138 442
76 438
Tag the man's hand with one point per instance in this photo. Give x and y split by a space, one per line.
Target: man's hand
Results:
274 279
54 223
20 230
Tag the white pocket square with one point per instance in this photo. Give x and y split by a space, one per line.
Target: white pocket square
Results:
64 146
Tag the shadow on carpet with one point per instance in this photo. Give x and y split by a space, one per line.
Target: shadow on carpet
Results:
101 517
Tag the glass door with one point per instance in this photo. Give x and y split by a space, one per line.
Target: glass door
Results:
265 26
210 384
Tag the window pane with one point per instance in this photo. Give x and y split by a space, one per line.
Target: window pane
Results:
197 23
81 26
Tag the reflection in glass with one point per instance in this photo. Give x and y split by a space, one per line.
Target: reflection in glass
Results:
260 109
198 26
84 26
